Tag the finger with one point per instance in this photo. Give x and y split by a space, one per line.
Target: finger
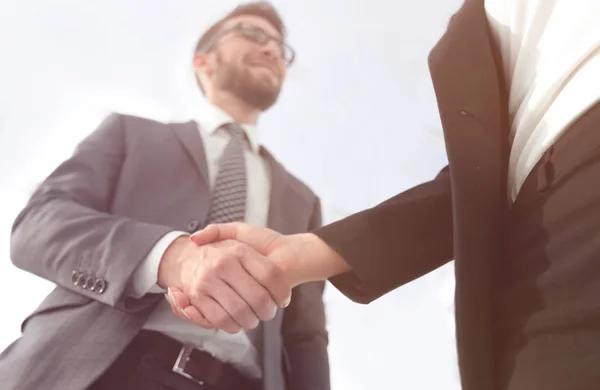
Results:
269 276
176 309
233 303
214 313
214 233
178 297
258 266
254 294
196 318
182 308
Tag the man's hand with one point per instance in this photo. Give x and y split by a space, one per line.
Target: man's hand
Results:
286 252
225 285
300 257
291 260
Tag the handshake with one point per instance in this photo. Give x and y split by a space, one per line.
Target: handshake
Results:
231 276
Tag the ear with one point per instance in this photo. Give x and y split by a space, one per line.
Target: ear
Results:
202 63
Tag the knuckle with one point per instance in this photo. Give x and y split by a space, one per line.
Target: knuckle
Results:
238 310
245 316
263 297
206 276
201 274
270 274
236 306
198 288
239 251
221 264
223 321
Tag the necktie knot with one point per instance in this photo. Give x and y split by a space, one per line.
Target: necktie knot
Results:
235 131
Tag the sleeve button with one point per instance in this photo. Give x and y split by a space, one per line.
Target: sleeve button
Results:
88 283
100 286
76 277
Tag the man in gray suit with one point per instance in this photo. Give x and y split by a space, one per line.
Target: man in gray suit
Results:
110 226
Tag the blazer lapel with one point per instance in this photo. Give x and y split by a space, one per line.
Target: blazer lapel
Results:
466 69
189 137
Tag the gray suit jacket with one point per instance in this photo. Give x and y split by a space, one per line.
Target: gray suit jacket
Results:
99 214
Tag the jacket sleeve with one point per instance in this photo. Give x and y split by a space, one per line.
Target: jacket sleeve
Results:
66 233
304 332
395 242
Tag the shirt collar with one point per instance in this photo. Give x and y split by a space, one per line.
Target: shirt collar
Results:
210 118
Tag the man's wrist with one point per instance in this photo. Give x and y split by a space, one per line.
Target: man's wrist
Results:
169 269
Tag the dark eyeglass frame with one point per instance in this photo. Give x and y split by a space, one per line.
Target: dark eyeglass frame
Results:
256 35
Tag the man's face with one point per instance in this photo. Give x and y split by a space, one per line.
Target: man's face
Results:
248 60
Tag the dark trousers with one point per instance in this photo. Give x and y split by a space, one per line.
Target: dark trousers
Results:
546 290
146 364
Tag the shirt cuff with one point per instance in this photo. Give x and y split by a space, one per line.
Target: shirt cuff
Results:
145 275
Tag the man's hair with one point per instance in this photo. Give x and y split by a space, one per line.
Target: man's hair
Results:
262 9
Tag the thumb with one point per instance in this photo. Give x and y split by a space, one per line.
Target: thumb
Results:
259 238
215 233
178 297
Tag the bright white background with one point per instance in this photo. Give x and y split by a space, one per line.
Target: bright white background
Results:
357 121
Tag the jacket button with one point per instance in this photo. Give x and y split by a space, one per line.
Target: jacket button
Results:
88 283
192 225
76 278
99 286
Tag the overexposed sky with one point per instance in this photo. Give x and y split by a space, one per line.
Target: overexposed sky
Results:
357 121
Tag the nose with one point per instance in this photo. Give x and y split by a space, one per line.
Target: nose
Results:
272 50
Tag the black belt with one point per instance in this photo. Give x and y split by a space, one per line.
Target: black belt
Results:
194 364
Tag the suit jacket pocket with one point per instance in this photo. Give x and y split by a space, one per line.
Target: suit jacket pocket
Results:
58 299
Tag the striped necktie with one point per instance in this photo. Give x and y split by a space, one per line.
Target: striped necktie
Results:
229 194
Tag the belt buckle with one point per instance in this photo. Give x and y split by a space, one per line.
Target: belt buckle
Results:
181 363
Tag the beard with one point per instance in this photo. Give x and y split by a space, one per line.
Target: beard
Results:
254 91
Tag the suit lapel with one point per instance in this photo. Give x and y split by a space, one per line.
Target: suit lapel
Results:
463 66
189 137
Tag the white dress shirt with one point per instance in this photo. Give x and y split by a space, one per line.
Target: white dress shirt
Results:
235 349
551 57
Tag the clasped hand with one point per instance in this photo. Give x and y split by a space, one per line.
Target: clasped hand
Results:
229 276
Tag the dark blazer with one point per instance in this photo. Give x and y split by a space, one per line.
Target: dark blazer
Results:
460 214
99 214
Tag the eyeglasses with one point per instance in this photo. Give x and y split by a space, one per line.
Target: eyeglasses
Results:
259 36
